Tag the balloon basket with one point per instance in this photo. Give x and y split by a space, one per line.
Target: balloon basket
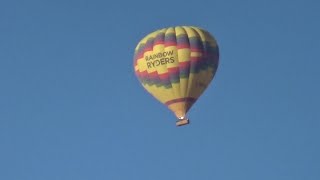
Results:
182 122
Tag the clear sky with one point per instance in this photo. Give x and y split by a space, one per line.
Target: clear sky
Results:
72 108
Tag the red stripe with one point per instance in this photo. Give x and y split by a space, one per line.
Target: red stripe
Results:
195 59
167 43
139 56
173 70
196 50
187 99
164 76
137 73
143 74
183 46
153 74
158 42
148 48
184 64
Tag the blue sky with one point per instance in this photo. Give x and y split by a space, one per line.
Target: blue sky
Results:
71 107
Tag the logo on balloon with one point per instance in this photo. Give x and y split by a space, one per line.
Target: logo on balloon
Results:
161 58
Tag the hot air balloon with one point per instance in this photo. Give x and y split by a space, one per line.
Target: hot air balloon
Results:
176 65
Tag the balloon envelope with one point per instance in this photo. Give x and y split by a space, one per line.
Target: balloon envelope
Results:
176 65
